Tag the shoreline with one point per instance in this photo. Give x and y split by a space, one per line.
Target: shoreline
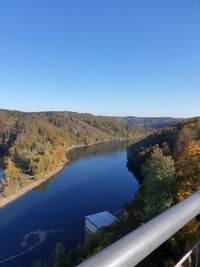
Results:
4 201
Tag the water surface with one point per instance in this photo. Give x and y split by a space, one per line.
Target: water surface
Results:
96 180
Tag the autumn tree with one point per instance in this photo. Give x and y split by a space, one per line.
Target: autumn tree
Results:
11 180
188 170
184 138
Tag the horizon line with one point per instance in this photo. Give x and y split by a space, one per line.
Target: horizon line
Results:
115 116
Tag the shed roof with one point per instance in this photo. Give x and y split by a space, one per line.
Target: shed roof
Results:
101 219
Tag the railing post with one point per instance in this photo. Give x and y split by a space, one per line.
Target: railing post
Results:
193 253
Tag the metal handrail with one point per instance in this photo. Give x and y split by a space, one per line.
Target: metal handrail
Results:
137 245
192 257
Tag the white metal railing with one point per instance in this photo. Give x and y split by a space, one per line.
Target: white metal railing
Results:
137 245
192 258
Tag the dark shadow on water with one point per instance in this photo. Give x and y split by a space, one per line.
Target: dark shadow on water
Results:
103 149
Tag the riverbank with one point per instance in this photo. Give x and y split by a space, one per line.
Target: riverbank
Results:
4 201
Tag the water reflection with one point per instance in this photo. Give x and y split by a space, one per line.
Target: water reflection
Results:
102 149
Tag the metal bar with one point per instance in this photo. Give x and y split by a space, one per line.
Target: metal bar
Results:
196 246
186 257
137 245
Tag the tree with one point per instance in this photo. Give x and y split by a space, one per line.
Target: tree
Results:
11 180
159 183
61 259
188 170
184 138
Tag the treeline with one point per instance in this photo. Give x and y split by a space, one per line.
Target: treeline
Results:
32 144
168 164
169 172
152 122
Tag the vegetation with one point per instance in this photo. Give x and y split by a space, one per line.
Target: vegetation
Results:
181 145
168 164
32 144
152 122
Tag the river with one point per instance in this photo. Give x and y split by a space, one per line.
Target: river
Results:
97 179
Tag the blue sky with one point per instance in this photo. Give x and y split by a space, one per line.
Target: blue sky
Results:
109 57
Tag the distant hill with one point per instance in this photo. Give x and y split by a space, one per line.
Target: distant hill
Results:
151 122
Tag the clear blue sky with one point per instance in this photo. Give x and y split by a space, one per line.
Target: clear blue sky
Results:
128 57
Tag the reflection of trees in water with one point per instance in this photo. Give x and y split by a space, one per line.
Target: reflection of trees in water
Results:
103 149
42 187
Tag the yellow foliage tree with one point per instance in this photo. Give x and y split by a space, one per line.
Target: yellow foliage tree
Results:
188 170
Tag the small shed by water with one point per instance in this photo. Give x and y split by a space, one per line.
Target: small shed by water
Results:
97 221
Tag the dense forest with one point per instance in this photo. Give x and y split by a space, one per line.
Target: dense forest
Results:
151 122
167 163
33 144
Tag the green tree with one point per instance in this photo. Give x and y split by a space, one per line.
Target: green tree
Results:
61 259
159 183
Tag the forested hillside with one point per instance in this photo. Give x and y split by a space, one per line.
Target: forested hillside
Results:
32 144
168 166
152 122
